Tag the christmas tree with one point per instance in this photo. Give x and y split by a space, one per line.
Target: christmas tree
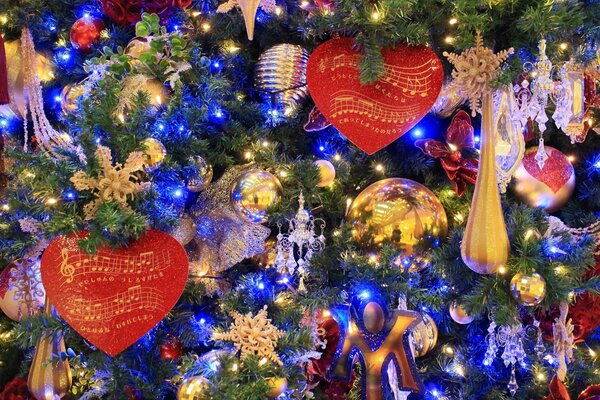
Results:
346 199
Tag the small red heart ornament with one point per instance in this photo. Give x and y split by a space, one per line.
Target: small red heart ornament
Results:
114 296
373 116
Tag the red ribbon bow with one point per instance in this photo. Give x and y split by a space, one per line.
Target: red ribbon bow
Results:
459 136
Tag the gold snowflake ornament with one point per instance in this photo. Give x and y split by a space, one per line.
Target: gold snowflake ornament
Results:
474 69
116 183
253 335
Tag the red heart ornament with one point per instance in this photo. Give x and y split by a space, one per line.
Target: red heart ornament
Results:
113 297
557 169
373 116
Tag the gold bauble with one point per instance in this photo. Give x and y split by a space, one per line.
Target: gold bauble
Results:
277 386
373 317
425 335
400 212
253 193
154 153
459 314
528 290
193 388
137 46
281 76
203 175
70 97
49 378
326 172
14 64
267 257
185 232
157 92
485 246
535 193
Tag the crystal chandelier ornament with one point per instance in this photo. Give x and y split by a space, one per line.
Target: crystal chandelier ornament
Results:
296 247
510 144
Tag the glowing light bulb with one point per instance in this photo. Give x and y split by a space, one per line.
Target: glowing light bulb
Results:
449 350
375 16
234 367
459 217
337 157
51 201
449 39
3 19
529 234
5 207
326 313
379 168
278 11
248 155
571 158
540 376
453 21
263 361
304 3
564 46
205 27
502 270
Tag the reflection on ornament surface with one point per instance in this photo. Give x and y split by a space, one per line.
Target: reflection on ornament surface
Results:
154 153
253 193
528 290
400 212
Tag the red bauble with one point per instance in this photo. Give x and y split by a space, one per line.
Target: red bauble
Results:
16 390
171 349
373 116
85 32
114 296
128 12
591 393
557 390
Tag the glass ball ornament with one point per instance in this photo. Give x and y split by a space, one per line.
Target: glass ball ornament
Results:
459 314
373 317
400 212
202 175
137 46
70 96
253 193
157 92
281 76
85 32
154 153
326 172
548 188
193 388
528 290
277 386
14 72
425 335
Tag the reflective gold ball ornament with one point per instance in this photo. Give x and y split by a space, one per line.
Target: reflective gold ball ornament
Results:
193 388
202 176
459 314
281 76
253 193
326 172
277 386
550 187
14 65
154 153
400 212
425 335
528 290
157 92
137 46
70 96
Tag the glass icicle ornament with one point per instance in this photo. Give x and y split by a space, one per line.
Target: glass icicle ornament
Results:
296 247
510 144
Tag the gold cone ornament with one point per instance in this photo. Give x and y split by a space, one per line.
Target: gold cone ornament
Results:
49 378
485 245
249 9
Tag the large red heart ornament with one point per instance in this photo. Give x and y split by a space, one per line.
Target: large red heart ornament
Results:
373 116
114 296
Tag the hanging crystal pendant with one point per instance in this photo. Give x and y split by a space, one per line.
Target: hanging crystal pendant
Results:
512 384
296 247
541 156
510 144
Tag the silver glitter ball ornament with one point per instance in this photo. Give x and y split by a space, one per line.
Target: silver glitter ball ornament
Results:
281 76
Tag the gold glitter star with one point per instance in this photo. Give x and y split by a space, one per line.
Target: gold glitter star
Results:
115 183
474 69
253 335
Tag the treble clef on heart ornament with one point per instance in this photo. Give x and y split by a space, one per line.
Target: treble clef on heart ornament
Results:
66 269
